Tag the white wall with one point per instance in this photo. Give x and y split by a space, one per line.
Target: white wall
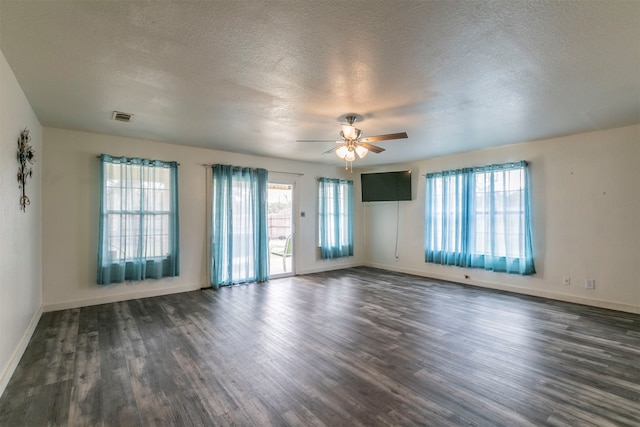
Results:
586 219
585 190
20 232
70 215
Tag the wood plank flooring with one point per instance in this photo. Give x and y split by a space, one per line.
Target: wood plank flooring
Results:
355 347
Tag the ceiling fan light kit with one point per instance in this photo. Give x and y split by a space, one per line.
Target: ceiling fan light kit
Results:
353 144
342 151
350 132
361 151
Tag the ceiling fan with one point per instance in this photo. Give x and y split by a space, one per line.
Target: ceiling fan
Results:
353 144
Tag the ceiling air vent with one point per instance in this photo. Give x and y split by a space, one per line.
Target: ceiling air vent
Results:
121 117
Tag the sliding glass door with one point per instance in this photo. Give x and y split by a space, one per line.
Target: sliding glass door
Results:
280 228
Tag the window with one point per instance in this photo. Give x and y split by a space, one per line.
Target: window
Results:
335 218
138 219
479 217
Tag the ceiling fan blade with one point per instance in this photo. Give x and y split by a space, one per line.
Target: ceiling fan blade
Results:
372 148
387 137
317 140
332 150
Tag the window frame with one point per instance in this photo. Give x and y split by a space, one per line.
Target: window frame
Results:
335 218
128 189
451 232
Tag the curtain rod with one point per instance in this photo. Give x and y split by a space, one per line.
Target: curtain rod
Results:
163 161
284 173
288 173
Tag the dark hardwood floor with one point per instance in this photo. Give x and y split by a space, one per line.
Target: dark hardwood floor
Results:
361 347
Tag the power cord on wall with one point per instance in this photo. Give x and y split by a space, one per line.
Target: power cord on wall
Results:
397 228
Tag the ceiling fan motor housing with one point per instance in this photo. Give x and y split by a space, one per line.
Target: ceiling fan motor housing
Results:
351 119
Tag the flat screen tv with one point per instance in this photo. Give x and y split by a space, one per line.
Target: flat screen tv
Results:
386 186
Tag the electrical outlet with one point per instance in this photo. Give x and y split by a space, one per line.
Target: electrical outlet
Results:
566 281
589 284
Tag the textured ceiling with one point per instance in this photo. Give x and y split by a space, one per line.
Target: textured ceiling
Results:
255 76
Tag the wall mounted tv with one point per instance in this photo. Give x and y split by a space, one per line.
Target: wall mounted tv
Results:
386 186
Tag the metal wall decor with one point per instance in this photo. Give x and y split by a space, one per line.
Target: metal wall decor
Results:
26 154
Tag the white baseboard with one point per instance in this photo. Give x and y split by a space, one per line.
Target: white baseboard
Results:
19 351
329 267
120 297
524 291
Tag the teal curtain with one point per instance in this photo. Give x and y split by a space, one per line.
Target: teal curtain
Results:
239 244
335 214
480 218
139 222
447 230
